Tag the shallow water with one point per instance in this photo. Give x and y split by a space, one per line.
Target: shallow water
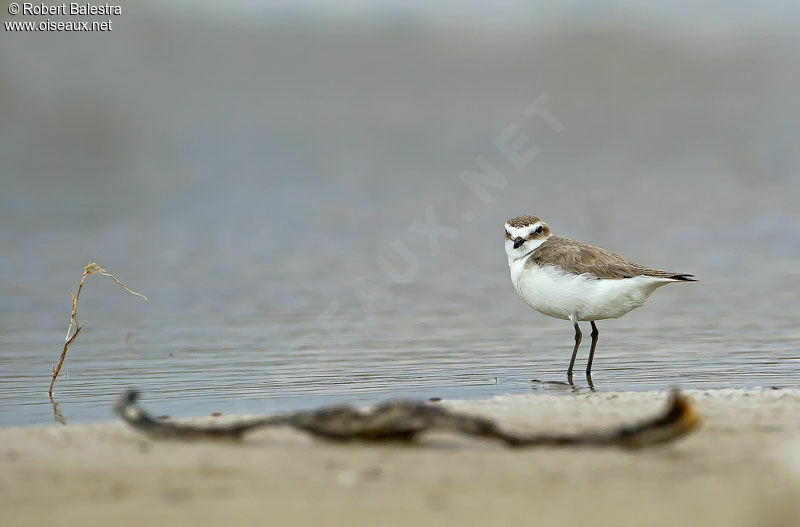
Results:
259 201
244 368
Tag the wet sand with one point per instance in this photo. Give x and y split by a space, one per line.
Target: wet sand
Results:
742 467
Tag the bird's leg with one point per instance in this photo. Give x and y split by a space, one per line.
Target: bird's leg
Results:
575 350
595 334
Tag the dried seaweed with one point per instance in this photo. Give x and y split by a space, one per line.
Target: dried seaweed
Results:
406 420
74 328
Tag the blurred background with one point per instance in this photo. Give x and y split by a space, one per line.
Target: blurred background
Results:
267 175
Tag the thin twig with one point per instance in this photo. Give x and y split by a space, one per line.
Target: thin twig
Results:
74 328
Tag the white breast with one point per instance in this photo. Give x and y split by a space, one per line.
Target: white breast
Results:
553 292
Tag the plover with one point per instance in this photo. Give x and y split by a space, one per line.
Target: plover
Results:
574 281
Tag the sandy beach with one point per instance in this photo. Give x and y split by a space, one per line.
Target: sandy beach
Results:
742 467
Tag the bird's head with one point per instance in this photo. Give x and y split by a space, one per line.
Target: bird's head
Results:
524 234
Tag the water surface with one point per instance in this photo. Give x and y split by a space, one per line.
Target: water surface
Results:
257 191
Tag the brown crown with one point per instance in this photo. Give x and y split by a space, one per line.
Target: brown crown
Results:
523 221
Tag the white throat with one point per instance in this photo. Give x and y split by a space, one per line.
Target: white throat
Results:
523 250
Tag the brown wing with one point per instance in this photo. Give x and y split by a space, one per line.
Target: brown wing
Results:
579 258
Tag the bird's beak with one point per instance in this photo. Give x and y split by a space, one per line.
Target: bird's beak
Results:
519 241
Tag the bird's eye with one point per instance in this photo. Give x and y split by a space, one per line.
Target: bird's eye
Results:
539 229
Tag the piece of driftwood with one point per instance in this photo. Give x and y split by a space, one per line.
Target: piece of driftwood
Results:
405 420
